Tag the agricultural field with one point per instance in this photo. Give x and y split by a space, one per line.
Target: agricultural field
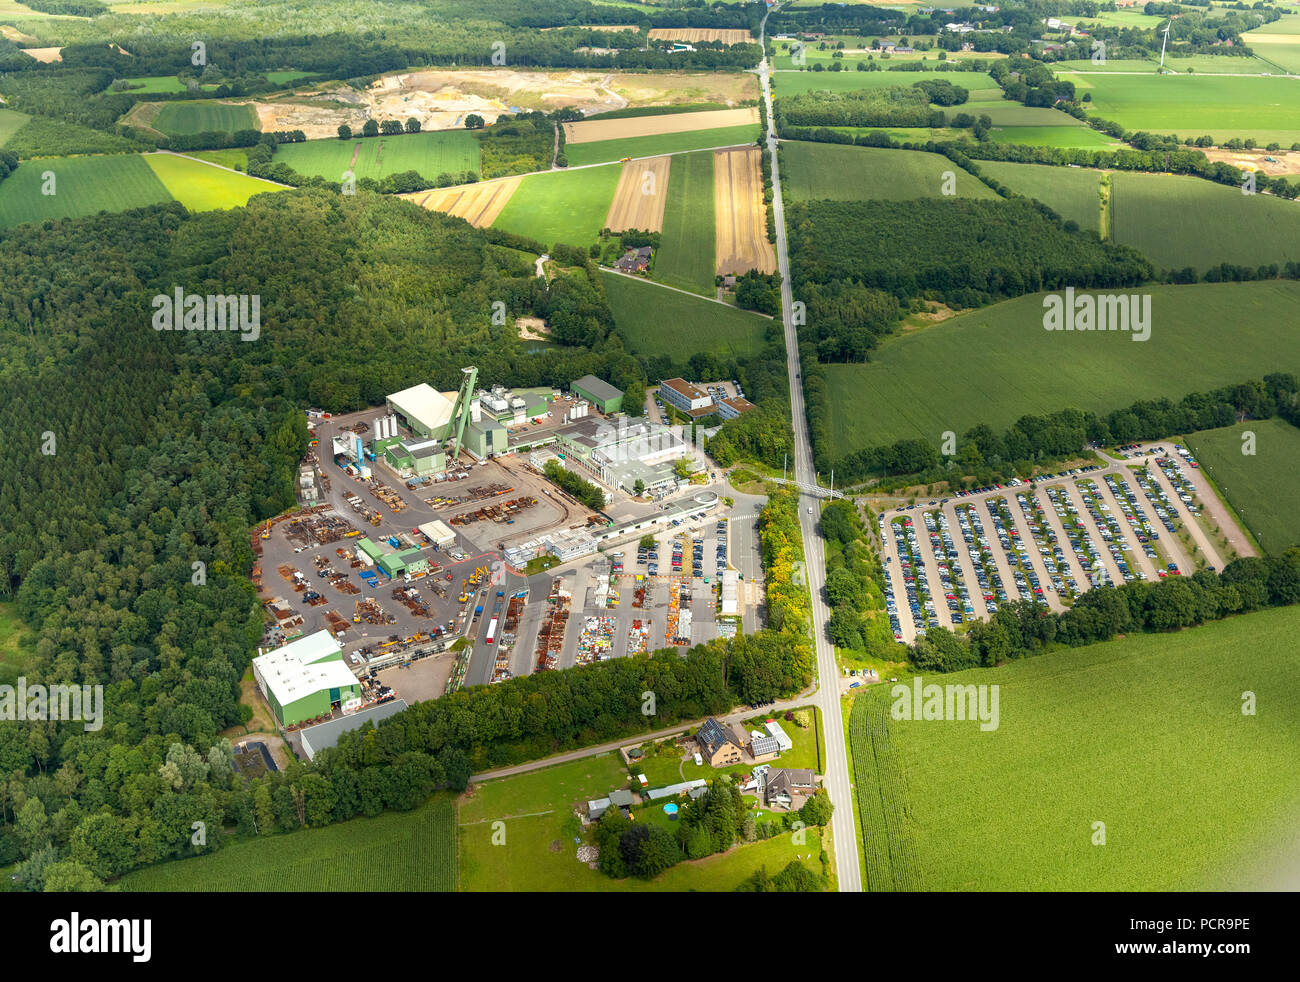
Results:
10 123
81 185
1191 105
202 116
946 806
561 206
998 364
1259 487
606 151
1074 193
795 82
692 34
1178 221
640 196
686 252
654 321
398 851
162 83
813 171
1197 65
1277 50
739 213
428 154
202 186
598 130
1066 137
539 854
479 204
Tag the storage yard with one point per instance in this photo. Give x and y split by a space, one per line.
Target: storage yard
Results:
1147 517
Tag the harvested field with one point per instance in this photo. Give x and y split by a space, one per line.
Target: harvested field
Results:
725 35
46 55
479 204
591 131
640 196
740 213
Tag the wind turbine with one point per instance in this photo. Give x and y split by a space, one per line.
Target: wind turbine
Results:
1165 42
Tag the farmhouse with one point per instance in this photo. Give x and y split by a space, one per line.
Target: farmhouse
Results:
786 787
635 260
720 745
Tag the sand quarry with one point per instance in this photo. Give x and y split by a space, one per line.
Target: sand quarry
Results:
441 100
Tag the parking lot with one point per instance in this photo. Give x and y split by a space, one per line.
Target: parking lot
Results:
953 560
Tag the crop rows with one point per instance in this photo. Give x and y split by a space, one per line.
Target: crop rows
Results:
887 843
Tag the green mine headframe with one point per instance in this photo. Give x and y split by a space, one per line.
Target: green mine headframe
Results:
460 412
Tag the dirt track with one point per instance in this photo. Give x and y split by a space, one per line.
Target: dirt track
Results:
640 197
740 214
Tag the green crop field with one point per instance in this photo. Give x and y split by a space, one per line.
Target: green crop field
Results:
202 116
428 154
1125 733
561 206
1065 137
398 851
1222 106
1185 221
686 246
1006 113
1072 192
10 123
812 171
539 854
162 83
201 187
1261 487
1198 64
793 83
656 321
81 185
996 364
604 151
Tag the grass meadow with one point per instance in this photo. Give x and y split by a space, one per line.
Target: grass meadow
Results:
655 321
82 186
10 123
561 206
685 258
997 364
1145 735
1074 193
202 187
814 171
428 154
604 151
795 82
1259 487
397 851
203 116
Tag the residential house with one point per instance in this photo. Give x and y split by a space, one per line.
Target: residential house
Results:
789 787
720 745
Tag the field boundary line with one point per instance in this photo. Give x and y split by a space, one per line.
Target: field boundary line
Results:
502 818
677 289
229 170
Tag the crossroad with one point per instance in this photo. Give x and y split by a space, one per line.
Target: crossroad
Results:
836 781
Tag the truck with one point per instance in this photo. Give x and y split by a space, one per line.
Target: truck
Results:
491 631
478 609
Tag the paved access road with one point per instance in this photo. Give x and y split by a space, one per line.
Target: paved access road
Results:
827 697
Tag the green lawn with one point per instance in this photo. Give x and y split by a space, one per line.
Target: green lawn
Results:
13 633
10 123
202 187
813 171
1145 735
996 364
1191 105
82 186
603 151
428 154
686 250
398 851
654 321
1260 487
792 83
204 116
539 852
1072 192
1180 221
561 206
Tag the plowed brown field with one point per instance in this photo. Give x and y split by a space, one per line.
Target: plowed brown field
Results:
640 196
725 35
478 204
740 213
593 130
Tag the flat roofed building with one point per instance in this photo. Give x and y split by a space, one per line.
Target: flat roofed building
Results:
599 393
733 407
318 738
